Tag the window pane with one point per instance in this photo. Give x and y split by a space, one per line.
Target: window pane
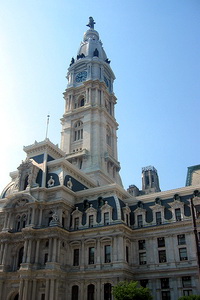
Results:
164 283
142 258
181 239
139 221
107 254
161 242
141 244
106 218
183 253
166 295
162 256
91 255
158 218
76 257
178 214
186 281
91 221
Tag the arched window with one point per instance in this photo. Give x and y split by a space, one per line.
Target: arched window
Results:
75 292
26 182
24 218
108 136
78 131
16 297
20 257
107 291
18 223
90 295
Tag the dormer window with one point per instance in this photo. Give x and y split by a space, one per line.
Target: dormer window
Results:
76 219
178 214
140 214
106 211
91 216
139 221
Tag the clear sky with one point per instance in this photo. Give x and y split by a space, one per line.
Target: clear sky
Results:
154 47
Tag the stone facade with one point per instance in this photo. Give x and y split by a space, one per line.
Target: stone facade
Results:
68 229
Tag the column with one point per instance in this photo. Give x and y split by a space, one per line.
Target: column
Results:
34 289
1 289
29 251
29 212
52 289
47 289
40 218
25 293
54 249
5 220
1 253
37 251
83 255
50 250
25 251
82 291
99 292
98 252
120 248
58 251
4 254
56 288
21 287
33 216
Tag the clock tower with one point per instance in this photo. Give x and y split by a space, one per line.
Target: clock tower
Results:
89 127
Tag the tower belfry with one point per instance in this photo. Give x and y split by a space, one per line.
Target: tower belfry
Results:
89 127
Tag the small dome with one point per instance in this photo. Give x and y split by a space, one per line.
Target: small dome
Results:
91 46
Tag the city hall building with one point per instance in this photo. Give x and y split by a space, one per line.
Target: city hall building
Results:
68 228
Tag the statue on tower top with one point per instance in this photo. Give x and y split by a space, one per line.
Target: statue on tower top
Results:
91 23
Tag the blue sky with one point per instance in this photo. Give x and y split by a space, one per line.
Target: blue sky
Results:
154 47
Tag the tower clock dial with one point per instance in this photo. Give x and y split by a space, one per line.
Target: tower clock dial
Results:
81 76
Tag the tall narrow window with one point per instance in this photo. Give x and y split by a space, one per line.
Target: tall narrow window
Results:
78 131
139 221
106 218
164 283
108 136
178 214
142 258
181 239
90 292
20 257
76 223
91 221
141 245
127 254
91 256
166 295
107 250
162 256
183 253
161 242
74 292
158 218
76 257
186 281
107 291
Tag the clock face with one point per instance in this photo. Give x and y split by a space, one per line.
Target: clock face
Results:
81 76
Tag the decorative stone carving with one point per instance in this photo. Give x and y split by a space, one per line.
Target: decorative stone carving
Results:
51 182
27 175
69 183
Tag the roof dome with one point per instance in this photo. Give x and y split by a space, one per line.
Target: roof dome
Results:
92 45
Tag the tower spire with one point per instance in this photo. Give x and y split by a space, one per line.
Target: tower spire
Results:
47 127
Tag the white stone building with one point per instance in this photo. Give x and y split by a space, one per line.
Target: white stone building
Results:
68 229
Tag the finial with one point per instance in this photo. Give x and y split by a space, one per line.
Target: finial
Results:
48 116
91 23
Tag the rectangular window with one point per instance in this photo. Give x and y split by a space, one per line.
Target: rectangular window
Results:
166 295
158 218
144 282
183 253
161 242
181 239
107 250
127 254
42 296
178 214
164 283
139 221
76 223
141 245
162 256
106 218
186 281
142 258
187 292
91 256
91 221
76 257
